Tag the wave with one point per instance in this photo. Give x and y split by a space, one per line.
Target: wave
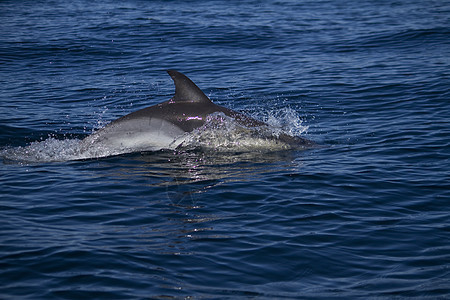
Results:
405 39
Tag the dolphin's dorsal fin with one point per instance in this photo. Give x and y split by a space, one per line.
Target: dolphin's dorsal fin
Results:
186 90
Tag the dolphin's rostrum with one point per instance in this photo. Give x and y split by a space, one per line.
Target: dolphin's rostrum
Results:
162 125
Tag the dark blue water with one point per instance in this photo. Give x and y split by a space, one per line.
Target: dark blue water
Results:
366 215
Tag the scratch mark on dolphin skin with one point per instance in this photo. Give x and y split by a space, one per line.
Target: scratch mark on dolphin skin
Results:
194 118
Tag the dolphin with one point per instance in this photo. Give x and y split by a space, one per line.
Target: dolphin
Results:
160 126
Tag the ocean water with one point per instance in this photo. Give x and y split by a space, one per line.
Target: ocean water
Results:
363 215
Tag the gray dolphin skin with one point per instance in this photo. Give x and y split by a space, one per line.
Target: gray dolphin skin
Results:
159 126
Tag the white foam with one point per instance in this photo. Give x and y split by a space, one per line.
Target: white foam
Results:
285 120
48 150
223 134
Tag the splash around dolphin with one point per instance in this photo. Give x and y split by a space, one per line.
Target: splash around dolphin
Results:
173 124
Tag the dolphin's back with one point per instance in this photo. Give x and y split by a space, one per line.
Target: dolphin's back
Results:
188 108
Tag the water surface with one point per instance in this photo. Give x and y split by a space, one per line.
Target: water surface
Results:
363 216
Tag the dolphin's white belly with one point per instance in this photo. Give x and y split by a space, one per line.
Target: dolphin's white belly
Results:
143 134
